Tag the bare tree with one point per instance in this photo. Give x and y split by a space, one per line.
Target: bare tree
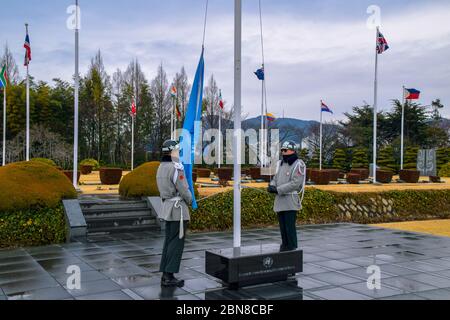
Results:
160 91
12 70
183 91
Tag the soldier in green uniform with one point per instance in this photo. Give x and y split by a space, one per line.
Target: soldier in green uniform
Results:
177 198
289 181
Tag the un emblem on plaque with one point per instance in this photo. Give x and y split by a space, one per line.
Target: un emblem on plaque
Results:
268 262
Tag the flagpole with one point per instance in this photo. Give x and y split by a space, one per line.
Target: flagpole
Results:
28 107
403 131
262 136
4 121
172 119
321 134
237 122
133 115
220 137
375 111
76 104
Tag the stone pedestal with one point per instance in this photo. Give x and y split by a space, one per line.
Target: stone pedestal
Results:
253 265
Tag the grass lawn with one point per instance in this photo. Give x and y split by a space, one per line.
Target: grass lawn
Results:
434 227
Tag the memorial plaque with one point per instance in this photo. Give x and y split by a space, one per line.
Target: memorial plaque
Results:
426 162
253 265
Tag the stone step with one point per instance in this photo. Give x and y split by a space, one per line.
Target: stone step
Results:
121 229
112 205
115 222
116 212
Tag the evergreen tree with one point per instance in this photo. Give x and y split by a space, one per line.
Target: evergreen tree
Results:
360 159
410 161
340 160
386 159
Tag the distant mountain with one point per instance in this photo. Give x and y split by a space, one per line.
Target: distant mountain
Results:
290 129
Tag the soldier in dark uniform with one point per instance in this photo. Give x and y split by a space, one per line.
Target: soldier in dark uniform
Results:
177 198
289 180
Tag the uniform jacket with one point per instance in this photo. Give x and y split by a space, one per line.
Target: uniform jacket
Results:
172 184
289 180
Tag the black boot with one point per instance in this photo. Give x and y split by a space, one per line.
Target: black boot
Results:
168 280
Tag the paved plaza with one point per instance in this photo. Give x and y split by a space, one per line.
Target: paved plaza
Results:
125 267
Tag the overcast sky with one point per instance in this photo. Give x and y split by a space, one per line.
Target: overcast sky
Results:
314 49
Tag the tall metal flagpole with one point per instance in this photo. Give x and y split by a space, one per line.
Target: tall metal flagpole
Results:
262 135
375 111
403 130
133 115
28 108
76 90
220 138
172 127
237 122
4 121
321 134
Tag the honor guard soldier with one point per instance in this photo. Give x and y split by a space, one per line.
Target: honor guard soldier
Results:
288 182
177 198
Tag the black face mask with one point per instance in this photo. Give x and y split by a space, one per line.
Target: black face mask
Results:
290 159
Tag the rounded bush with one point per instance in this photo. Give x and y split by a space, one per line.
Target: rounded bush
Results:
110 176
44 161
90 162
445 171
29 185
141 182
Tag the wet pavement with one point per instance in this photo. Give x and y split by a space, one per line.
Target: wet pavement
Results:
336 257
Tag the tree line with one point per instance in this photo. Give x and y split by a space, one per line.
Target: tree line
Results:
104 113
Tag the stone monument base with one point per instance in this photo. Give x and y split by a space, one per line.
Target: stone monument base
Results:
254 265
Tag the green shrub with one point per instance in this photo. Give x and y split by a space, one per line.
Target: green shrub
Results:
360 159
32 227
90 162
45 161
410 161
442 157
445 171
386 159
340 160
30 185
216 213
141 182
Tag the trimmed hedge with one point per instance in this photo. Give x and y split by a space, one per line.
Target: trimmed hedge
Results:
141 182
32 227
30 185
216 213
445 171
90 162
31 212
45 161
